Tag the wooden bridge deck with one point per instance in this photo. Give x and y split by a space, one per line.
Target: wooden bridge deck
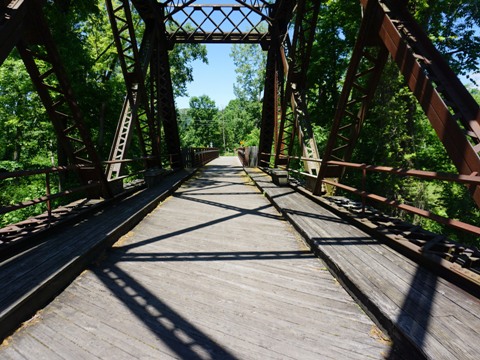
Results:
213 273
424 313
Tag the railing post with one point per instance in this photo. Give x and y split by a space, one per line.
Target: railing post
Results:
364 185
48 193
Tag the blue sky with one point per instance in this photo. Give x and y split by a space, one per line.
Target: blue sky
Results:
215 79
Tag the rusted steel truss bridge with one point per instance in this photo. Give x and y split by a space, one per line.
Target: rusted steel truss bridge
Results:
285 29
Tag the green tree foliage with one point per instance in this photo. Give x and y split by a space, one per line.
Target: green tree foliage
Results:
201 123
453 27
240 119
228 129
250 62
23 120
334 39
242 116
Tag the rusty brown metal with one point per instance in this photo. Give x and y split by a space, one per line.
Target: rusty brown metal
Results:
42 60
295 121
421 174
269 124
272 112
47 198
363 74
422 66
11 25
205 23
387 28
166 103
136 110
456 224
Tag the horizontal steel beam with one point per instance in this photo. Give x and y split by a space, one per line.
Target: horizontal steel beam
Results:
232 38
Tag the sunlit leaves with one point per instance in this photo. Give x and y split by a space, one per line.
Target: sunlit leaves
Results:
250 61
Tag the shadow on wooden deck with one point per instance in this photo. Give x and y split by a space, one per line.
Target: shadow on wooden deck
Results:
421 295
425 315
183 338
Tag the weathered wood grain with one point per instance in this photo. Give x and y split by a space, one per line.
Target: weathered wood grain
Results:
437 318
213 273
31 279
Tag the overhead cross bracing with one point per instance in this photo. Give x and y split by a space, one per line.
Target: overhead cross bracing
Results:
237 23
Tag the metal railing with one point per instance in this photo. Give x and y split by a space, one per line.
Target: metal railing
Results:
48 197
194 157
199 156
469 180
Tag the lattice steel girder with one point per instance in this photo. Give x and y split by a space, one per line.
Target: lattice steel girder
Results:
363 75
453 92
155 96
137 110
461 139
297 119
162 102
286 129
422 66
41 58
282 13
303 36
237 23
11 25
127 49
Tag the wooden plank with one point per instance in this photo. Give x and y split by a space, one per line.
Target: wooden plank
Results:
405 298
424 302
30 280
195 279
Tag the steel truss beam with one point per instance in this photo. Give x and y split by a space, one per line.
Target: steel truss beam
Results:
238 23
164 97
274 90
270 109
136 109
294 120
40 56
452 111
11 25
367 62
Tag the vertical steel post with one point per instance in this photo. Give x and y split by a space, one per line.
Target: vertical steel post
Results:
166 100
